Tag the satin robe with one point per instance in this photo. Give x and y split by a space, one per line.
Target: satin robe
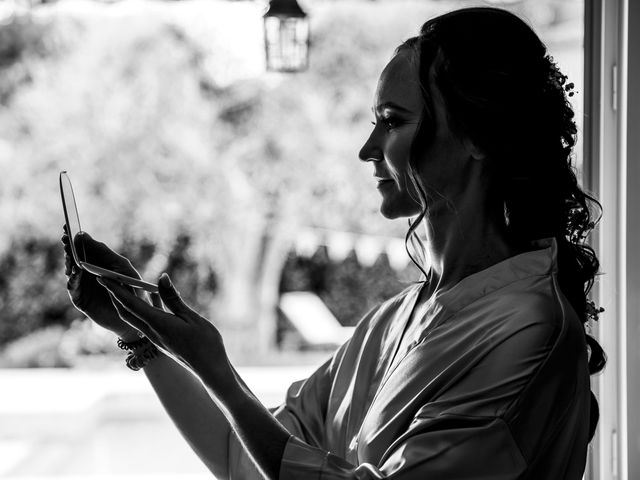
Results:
491 382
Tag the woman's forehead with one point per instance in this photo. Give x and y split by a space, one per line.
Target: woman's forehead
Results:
399 82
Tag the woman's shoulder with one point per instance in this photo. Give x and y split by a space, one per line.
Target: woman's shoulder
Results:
535 309
536 300
399 298
386 309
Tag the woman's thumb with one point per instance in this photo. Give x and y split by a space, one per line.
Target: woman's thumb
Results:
171 297
90 245
96 252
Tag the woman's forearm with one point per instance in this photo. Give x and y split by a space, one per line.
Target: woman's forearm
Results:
197 344
193 411
260 433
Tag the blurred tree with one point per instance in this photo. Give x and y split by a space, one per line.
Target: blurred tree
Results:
30 293
161 150
299 151
23 42
352 290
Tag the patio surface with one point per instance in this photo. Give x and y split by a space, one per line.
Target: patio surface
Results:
103 425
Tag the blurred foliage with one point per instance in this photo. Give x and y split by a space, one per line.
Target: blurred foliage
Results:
185 159
23 43
351 290
31 273
348 288
32 280
172 167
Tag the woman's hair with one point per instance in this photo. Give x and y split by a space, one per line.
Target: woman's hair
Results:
505 94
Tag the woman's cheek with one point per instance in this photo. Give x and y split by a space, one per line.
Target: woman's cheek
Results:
399 152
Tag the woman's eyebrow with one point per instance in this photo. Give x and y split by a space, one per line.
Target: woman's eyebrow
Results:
391 105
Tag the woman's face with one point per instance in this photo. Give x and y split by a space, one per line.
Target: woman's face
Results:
398 105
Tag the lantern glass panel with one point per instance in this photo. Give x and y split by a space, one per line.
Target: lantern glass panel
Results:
287 43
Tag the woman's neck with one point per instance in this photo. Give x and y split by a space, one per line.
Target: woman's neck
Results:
460 244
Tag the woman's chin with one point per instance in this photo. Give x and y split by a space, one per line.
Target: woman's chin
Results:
389 215
392 212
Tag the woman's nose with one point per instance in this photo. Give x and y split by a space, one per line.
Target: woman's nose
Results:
371 151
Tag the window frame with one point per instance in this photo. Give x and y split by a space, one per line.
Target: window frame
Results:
612 172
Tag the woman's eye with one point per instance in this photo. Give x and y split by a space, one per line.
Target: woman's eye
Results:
389 123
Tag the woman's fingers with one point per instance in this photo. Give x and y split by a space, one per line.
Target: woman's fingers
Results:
132 320
149 315
156 301
74 278
172 299
67 266
101 255
69 262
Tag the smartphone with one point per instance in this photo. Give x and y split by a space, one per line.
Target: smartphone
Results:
72 220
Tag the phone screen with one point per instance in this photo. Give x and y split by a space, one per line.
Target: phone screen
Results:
72 219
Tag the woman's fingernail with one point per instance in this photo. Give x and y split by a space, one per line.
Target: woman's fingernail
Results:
166 280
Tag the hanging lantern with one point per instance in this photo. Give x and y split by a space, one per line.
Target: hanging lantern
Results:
286 36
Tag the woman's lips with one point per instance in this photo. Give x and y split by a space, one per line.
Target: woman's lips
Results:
384 182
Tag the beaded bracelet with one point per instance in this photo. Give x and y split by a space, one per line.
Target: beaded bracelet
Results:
141 357
122 345
141 352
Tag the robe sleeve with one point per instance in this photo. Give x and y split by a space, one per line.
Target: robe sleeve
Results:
461 434
303 412
449 447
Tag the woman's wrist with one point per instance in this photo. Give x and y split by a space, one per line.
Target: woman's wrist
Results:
221 380
129 336
142 355
140 352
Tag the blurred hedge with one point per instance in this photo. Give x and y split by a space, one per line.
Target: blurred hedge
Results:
31 273
32 282
174 168
184 154
348 288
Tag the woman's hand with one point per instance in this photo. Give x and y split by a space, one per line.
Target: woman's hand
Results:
195 342
184 334
84 291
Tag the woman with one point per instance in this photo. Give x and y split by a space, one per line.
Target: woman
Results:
479 371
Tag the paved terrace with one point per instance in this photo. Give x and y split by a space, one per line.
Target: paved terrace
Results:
106 425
